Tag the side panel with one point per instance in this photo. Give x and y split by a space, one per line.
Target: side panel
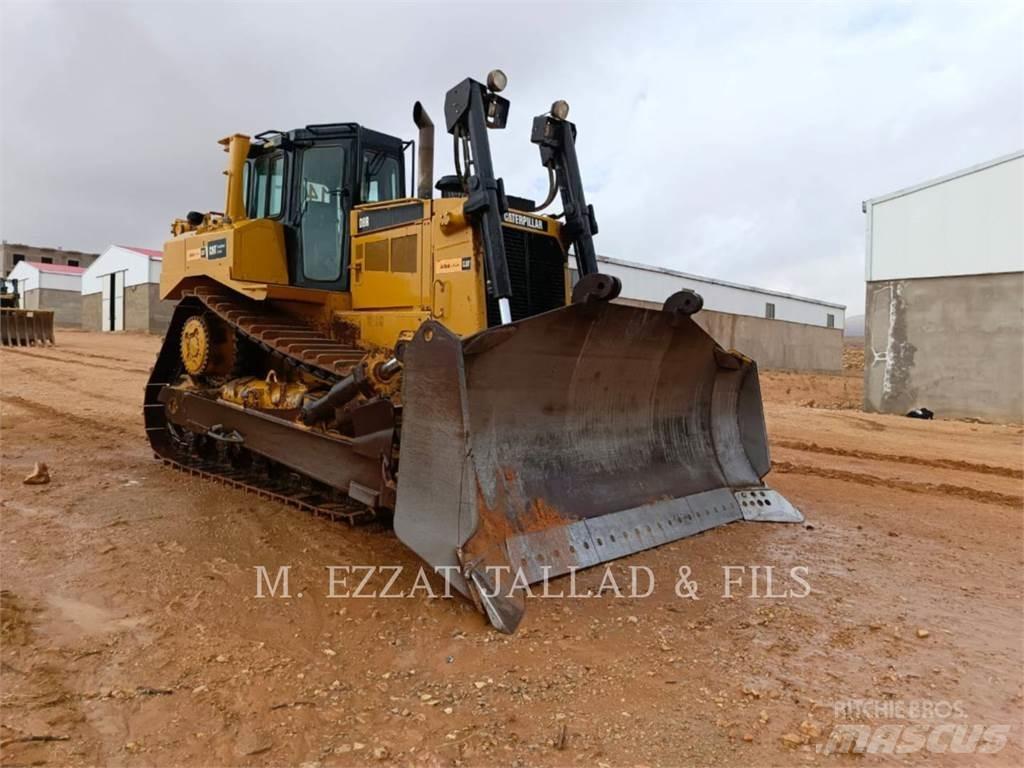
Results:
456 281
246 257
387 268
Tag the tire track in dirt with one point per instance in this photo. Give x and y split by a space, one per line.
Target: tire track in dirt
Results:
118 368
78 353
936 489
47 411
967 466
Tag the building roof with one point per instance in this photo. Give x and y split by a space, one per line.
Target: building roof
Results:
154 255
713 281
56 269
943 179
59 269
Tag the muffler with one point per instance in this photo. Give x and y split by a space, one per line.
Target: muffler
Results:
425 175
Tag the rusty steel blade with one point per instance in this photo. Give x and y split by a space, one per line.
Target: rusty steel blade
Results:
573 438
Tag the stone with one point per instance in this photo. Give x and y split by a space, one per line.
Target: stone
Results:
40 475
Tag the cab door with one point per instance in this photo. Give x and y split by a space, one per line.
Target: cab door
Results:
324 196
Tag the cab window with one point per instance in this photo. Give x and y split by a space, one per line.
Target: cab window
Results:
267 195
380 177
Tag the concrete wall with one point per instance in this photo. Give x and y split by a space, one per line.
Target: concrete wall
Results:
951 344
66 305
159 311
31 253
92 307
136 308
773 344
143 310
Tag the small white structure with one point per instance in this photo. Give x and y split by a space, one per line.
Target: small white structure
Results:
642 282
50 286
121 291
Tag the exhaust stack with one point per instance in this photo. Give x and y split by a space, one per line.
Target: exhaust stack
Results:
425 177
237 147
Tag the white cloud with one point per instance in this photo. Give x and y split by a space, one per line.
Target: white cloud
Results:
736 141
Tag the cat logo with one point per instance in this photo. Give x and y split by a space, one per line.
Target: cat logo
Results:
217 249
522 220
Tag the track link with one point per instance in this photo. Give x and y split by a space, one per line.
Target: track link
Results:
297 341
351 512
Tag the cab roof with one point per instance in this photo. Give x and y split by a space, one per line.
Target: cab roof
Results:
273 139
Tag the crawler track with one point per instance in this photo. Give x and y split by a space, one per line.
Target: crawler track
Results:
291 338
258 484
296 344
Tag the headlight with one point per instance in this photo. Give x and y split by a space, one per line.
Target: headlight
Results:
497 80
560 109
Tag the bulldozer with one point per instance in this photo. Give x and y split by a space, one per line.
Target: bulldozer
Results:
346 347
22 327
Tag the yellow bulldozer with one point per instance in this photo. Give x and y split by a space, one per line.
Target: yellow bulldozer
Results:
22 327
348 348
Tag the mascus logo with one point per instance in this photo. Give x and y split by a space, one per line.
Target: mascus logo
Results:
522 220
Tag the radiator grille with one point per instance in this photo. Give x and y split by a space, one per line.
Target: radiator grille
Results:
536 269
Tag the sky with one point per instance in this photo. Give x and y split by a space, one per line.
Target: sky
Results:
735 141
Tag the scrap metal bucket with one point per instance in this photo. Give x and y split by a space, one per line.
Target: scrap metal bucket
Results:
572 438
26 327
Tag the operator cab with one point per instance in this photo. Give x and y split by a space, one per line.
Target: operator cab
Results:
309 179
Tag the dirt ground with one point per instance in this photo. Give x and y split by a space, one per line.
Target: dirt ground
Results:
131 633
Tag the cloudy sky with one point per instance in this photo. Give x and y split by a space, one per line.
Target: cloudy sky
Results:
735 141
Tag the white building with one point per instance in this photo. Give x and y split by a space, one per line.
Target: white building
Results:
121 291
643 282
778 330
50 286
944 311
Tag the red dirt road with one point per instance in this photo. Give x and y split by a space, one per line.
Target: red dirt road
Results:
132 636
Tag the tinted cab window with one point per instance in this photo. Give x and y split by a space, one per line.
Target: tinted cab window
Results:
381 177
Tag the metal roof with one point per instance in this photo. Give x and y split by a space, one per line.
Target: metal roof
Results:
943 179
713 281
57 269
154 255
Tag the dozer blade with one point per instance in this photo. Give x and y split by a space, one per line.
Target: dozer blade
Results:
572 438
26 327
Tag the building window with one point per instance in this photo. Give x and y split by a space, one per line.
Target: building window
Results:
830 321
769 310
18 257
72 262
46 260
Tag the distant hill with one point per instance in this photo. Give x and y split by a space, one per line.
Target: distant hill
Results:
854 327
